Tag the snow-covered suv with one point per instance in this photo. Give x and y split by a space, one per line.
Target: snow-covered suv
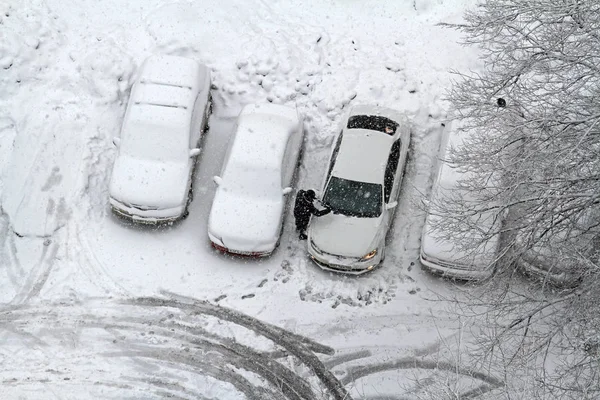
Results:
361 187
166 115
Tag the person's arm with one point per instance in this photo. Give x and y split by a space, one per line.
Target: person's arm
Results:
320 213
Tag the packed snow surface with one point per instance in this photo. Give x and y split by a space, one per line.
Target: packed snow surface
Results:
94 307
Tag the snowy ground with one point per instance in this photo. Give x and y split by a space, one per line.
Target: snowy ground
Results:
97 308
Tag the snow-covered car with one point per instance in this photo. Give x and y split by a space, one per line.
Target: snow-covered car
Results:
441 252
560 257
167 114
247 213
361 188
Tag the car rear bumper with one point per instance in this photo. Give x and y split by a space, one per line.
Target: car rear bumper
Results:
239 253
217 244
453 270
150 217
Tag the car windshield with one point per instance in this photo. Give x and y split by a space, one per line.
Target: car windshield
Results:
373 123
352 198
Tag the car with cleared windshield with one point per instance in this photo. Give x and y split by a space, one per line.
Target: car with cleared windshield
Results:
361 187
259 168
166 115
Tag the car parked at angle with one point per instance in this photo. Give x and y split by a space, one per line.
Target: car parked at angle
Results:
361 187
167 113
440 251
247 213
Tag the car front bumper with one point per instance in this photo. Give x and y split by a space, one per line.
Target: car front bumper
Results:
342 264
453 270
556 278
149 217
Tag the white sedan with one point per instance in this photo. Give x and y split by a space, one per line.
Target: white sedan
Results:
361 187
246 217
441 252
166 115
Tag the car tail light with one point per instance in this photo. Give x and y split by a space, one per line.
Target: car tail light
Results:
220 248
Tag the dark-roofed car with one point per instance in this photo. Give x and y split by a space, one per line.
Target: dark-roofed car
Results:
247 213
361 187
167 113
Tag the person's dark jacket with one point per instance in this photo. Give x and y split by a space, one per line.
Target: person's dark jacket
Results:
304 207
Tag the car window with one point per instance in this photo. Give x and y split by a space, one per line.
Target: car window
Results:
196 123
373 123
287 169
390 170
336 149
353 198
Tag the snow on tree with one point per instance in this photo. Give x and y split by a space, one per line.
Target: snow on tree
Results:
532 118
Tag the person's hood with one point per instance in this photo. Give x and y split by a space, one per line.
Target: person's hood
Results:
345 236
242 223
149 183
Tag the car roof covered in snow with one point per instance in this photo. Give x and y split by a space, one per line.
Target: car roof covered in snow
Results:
363 153
362 156
162 99
262 135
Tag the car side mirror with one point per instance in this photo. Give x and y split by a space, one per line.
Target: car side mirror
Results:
391 205
287 190
194 152
116 141
217 180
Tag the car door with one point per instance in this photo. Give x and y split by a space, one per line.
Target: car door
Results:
194 137
288 162
391 180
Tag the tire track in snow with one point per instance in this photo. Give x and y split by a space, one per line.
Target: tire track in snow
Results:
8 257
38 275
85 258
353 364
160 347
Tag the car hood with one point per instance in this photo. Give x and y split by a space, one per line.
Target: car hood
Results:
560 267
147 183
448 251
245 223
345 236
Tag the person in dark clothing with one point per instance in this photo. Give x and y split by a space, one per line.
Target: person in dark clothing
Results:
303 208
